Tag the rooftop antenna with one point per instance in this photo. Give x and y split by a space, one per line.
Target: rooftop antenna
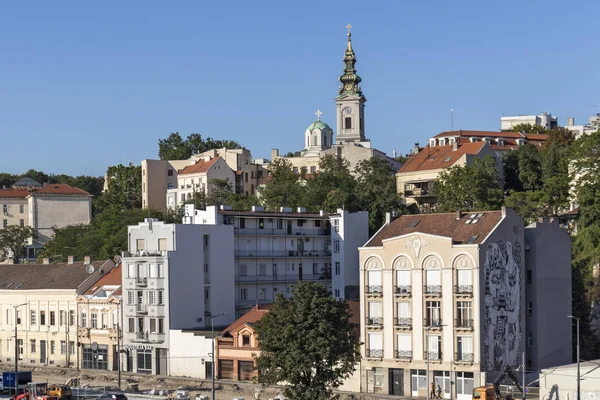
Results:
451 119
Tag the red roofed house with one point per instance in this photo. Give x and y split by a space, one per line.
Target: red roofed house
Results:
44 208
197 177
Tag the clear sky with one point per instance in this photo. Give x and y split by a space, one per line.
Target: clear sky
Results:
85 85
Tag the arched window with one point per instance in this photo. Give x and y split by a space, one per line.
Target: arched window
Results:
315 140
325 140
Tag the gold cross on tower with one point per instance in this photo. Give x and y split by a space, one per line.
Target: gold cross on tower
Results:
318 113
348 27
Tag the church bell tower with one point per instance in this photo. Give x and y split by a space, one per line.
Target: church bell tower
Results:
350 102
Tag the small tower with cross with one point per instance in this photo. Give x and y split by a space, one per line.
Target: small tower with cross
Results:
317 137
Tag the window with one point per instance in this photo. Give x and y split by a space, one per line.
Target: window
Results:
33 346
529 277
152 325
161 325
464 314
162 244
336 246
375 313
262 269
161 271
139 244
52 318
313 169
348 123
433 313
130 297
374 282
336 225
5 209
434 347
170 172
61 318
52 347
33 317
94 319
262 293
71 317
144 361
402 281
42 317
529 340
152 297
63 347
21 208
337 268
261 223
279 224
131 270
5 223
404 345
464 348
83 318
71 347
337 293
115 319
161 297
465 281
22 222
245 340
20 347
243 269
315 269
433 281
104 320
375 341
530 308
243 294
242 223
18 317
245 177
131 324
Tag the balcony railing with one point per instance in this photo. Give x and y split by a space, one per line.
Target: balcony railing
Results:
404 354
146 253
432 322
283 232
403 290
375 353
282 277
374 289
141 309
432 355
377 321
463 289
141 281
464 357
463 323
419 192
141 335
432 289
403 322
281 253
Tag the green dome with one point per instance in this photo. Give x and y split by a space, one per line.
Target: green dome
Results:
318 125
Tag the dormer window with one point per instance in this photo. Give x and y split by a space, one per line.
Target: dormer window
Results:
520 142
432 142
245 340
473 139
500 141
487 140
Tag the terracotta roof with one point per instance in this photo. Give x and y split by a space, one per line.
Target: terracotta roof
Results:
199 166
445 224
44 276
492 134
438 157
508 143
51 189
112 278
250 317
14 193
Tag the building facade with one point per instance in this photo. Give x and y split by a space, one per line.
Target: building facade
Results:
173 278
42 300
545 120
444 296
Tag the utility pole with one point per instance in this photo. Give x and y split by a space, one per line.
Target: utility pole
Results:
524 383
212 355
17 350
578 360
118 355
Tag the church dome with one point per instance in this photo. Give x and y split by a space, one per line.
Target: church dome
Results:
320 125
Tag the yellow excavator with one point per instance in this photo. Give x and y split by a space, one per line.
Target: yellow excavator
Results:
492 391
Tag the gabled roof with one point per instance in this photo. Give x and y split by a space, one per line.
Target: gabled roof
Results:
250 317
112 278
59 188
14 193
492 134
199 166
444 224
438 157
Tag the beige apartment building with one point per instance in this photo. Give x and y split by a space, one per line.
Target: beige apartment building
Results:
159 176
41 299
44 208
453 299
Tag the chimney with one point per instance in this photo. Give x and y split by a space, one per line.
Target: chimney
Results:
416 149
458 215
70 260
388 218
455 145
274 154
45 261
570 121
87 260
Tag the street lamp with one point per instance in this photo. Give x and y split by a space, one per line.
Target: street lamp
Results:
212 355
578 370
427 329
17 349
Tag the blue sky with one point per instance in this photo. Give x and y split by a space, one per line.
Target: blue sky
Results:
86 85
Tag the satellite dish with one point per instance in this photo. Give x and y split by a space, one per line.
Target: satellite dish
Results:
94 346
89 268
117 259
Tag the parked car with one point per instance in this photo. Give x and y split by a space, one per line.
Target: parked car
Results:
1 385
61 391
113 396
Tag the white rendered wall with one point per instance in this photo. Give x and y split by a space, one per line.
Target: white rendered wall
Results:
189 354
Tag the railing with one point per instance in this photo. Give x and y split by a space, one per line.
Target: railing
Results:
463 323
432 355
463 289
403 290
141 308
146 253
378 321
247 302
404 354
375 353
141 281
283 277
464 357
283 232
141 335
418 192
403 321
374 289
433 323
281 253
432 289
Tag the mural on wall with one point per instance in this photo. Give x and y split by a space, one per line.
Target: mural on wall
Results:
503 331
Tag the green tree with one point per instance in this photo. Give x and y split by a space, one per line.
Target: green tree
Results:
527 128
307 342
469 188
530 168
175 147
585 173
510 166
13 241
282 187
332 187
124 187
220 192
376 190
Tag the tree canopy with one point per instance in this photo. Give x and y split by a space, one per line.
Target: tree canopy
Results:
124 187
175 147
13 241
308 342
527 128
91 184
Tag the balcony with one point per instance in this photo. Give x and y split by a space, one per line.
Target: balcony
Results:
141 309
375 353
403 322
403 290
141 337
247 302
463 290
404 355
463 323
419 192
433 323
141 282
283 232
464 357
376 290
281 253
283 277
146 253
375 321
432 355
433 290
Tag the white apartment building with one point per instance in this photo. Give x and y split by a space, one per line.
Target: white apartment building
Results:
580 130
457 298
42 300
546 120
273 251
174 277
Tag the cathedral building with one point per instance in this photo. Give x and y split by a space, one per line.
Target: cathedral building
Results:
350 141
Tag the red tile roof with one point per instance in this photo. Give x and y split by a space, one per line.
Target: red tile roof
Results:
199 166
493 134
14 193
445 224
50 189
112 278
438 157
250 317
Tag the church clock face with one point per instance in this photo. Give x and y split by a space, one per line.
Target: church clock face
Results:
348 87
347 110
